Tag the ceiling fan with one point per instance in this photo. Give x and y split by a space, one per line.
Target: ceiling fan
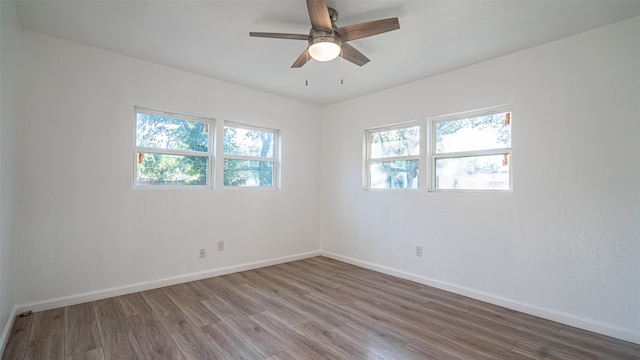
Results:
326 41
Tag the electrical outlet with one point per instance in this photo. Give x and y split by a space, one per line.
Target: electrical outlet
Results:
202 254
221 245
419 250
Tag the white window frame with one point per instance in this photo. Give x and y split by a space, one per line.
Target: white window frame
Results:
210 154
368 159
433 156
275 156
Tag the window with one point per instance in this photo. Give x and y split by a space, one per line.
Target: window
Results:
250 155
172 150
392 157
472 151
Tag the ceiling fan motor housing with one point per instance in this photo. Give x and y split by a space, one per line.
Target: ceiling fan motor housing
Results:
333 15
323 36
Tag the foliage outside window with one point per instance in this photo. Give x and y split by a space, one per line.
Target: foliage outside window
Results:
392 157
472 151
172 150
250 155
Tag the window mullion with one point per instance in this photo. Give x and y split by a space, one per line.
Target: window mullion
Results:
395 158
148 150
248 158
473 153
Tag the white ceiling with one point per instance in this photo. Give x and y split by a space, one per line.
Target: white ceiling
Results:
212 37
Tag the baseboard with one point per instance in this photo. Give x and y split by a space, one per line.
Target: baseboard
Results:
7 329
148 285
564 318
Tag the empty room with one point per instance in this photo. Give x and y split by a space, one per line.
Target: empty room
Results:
339 179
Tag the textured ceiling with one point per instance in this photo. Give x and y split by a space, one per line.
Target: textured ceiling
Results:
211 37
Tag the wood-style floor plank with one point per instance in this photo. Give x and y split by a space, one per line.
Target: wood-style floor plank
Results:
266 343
160 302
47 323
133 304
46 348
226 290
154 340
309 348
285 285
18 338
317 308
118 340
287 355
547 349
230 343
80 329
427 350
324 314
190 306
191 341
373 341
342 346
321 283
309 285
274 305
95 354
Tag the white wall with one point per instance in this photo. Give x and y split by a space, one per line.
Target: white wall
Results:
83 229
9 92
566 243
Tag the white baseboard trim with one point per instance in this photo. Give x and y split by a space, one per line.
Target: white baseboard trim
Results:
7 330
561 317
154 284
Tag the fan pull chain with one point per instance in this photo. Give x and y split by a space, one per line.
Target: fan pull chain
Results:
341 61
306 81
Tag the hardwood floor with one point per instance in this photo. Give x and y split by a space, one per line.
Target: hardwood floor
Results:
316 308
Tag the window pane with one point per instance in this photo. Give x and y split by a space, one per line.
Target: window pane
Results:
478 133
169 133
248 173
490 172
163 169
398 142
394 174
239 141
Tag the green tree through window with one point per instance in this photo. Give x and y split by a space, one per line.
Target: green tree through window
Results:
393 157
171 151
472 152
249 156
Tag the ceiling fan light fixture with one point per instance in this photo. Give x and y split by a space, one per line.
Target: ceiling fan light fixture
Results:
324 48
325 39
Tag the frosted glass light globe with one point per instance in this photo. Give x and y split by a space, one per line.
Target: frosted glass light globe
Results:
326 49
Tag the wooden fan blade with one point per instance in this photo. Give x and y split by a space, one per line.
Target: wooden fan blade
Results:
351 54
319 15
279 35
302 59
362 30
